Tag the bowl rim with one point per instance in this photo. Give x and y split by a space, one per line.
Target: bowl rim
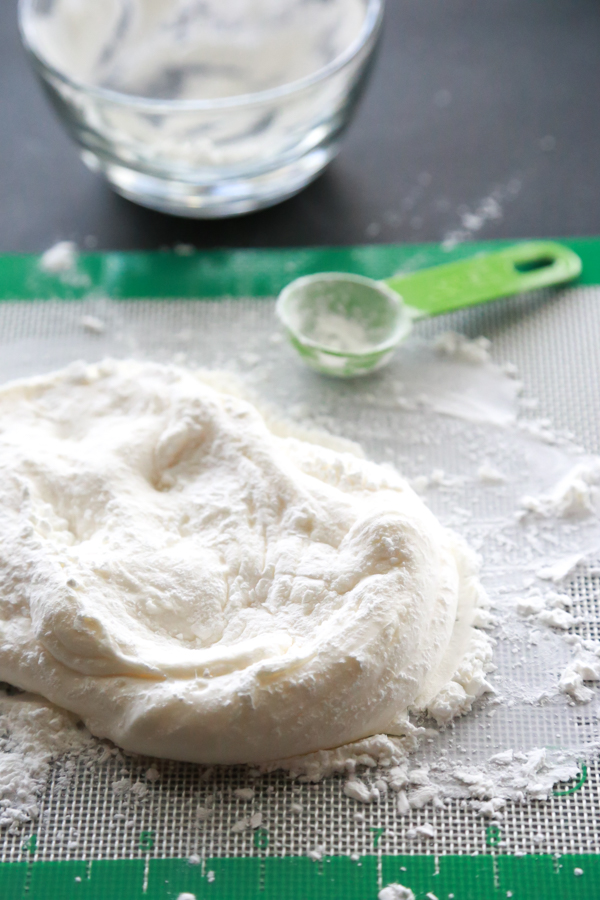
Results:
401 330
369 31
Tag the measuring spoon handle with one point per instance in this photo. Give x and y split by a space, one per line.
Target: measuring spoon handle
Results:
524 267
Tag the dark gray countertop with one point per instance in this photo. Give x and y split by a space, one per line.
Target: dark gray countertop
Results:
481 118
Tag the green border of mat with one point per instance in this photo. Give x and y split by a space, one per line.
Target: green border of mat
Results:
297 878
237 273
262 273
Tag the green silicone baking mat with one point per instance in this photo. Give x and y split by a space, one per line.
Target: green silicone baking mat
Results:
108 832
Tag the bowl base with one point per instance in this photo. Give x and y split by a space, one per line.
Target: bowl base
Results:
215 200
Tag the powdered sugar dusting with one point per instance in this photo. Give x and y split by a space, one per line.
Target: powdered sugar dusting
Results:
33 734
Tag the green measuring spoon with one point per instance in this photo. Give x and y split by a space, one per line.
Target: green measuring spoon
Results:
347 325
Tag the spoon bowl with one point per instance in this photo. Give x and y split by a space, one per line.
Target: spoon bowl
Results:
343 325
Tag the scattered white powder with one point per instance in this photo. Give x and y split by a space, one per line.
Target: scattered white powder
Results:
513 775
438 478
121 787
402 805
244 793
381 750
396 892
531 606
33 733
357 790
561 569
556 618
585 666
60 258
490 475
92 324
573 496
489 209
459 347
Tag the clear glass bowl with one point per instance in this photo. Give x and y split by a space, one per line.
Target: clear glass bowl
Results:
203 109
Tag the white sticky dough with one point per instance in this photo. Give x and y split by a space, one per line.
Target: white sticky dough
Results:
195 587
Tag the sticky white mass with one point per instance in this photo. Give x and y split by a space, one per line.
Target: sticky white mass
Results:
194 586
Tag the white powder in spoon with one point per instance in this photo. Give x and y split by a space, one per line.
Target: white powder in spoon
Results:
338 332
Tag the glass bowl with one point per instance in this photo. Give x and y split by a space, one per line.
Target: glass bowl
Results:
203 109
